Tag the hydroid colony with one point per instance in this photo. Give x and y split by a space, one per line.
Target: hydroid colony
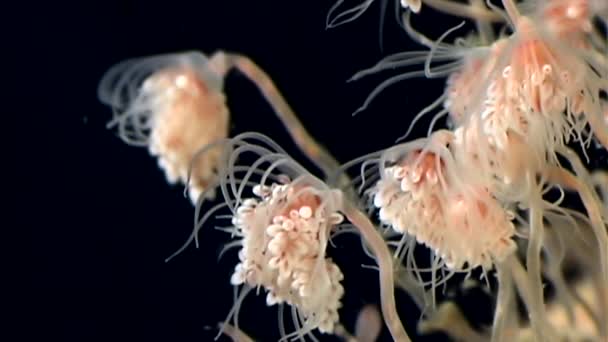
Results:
522 94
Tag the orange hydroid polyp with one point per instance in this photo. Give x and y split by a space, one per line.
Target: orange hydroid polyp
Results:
193 117
422 196
174 105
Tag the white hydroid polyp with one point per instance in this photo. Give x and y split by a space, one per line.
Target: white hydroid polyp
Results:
284 236
414 5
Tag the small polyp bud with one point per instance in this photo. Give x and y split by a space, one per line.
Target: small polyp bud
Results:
237 277
288 224
271 299
260 190
305 212
274 229
336 218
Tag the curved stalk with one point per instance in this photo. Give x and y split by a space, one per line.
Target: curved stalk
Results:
384 258
318 154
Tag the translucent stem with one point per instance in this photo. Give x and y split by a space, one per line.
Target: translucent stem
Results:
305 142
599 128
533 264
591 203
504 305
552 269
483 26
407 283
592 206
234 333
586 259
384 259
512 11
540 327
464 11
600 180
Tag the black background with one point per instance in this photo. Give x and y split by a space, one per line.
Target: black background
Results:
100 217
